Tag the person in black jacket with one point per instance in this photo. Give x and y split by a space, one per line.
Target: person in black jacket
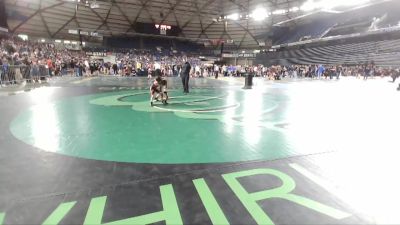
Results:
395 74
185 75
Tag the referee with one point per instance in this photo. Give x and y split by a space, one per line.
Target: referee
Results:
185 76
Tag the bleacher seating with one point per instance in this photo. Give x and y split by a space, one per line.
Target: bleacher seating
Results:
324 24
122 42
384 53
187 46
152 43
313 31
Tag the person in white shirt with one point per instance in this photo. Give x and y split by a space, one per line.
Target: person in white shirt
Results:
255 70
197 70
157 66
216 71
225 70
87 67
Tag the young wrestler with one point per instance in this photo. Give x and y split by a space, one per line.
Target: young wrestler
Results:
164 92
155 90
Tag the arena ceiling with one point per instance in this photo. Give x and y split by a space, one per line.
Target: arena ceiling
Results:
196 18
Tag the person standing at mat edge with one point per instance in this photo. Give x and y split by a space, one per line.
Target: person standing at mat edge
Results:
185 76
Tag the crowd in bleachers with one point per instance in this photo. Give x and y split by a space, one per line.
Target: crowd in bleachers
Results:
133 62
327 72
279 72
44 59
382 52
33 59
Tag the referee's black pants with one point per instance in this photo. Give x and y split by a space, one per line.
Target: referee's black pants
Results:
185 83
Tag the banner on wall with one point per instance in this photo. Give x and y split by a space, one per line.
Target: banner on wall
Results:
238 55
99 54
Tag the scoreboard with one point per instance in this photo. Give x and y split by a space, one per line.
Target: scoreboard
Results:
163 28
157 29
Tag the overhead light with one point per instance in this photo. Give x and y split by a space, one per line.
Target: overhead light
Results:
58 41
43 40
67 42
74 42
234 16
308 5
294 9
94 5
72 31
279 12
24 37
259 14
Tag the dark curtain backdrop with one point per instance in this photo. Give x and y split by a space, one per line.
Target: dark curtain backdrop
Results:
3 15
